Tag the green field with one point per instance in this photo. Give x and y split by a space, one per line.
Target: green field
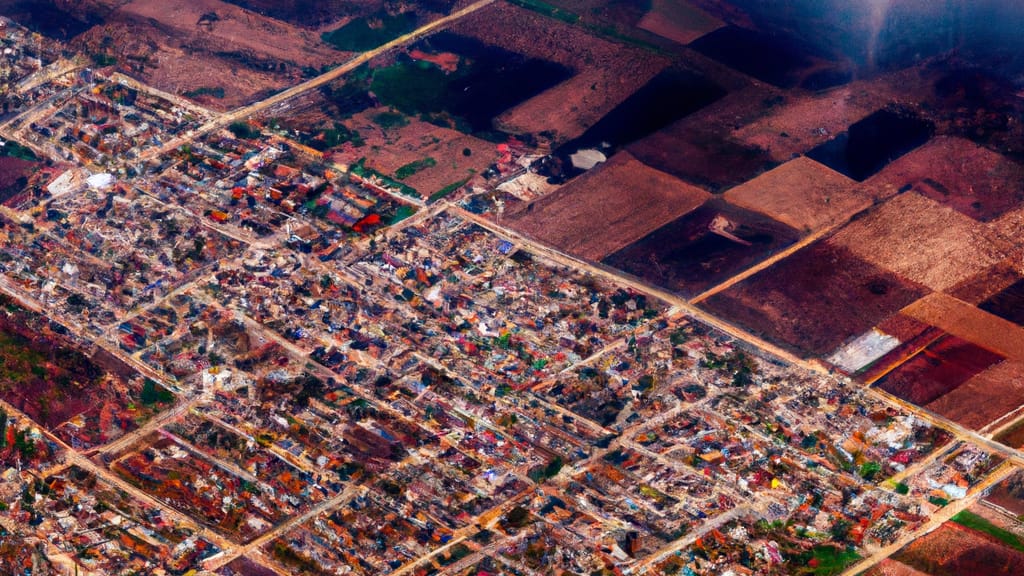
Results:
369 32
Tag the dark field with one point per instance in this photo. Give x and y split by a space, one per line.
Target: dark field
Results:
669 96
1008 304
937 370
703 158
772 59
49 18
957 550
814 300
686 256
488 81
872 143
308 12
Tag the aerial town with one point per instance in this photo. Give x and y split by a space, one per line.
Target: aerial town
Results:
510 287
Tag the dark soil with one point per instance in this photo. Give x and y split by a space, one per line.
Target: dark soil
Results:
872 143
814 300
1008 304
687 257
937 370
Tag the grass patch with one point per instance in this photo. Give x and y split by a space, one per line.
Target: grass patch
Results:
447 190
371 31
414 167
15 150
829 560
216 92
975 522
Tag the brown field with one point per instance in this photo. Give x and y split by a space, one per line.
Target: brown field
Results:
990 282
938 370
699 149
802 193
923 241
1009 493
608 73
161 43
970 323
388 149
607 208
958 173
1010 225
955 549
890 567
788 303
678 21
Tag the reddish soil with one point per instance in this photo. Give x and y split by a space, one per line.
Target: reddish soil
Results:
890 567
938 370
955 549
1009 493
1012 436
984 398
678 21
902 327
960 174
607 208
14 173
923 241
816 299
970 323
388 149
801 193
245 567
688 256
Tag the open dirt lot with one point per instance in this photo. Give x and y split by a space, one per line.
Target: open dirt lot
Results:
607 73
388 149
984 398
958 173
814 300
970 323
955 549
241 52
923 241
1009 494
703 248
607 208
938 370
801 193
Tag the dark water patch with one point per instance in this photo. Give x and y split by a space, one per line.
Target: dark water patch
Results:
669 96
771 58
488 81
703 248
872 143
1008 304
